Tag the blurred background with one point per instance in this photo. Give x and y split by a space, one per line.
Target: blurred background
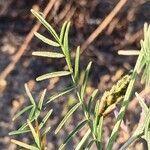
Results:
119 29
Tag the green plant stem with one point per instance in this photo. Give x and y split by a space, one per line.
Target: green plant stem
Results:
81 101
125 103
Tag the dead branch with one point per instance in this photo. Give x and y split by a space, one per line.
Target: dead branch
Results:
103 25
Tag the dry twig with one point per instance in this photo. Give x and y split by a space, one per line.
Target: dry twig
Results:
26 42
103 25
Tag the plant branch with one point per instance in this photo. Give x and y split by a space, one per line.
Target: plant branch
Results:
125 103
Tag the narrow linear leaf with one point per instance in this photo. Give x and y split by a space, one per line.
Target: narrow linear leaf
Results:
19 132
45 119
22 111
40 104
96 119
46 131
52 75
46 40
29 94
141 101
48 54
99 131
62 32
79 126
60 94
83 140
35 135
77 59
92 97
66 45
66 48
32 112
46 24
38 108
69 113
83 87
24 145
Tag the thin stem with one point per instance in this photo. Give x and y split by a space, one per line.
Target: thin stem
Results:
80 99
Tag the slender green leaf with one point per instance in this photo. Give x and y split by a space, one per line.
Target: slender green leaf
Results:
32 112
39 107
79 126
69 113
22 111
35 135
46 24
44 120
77 59
46 131
24 145
29 94
19 132
145 62
66 44
46 40
83 87
96 119
83 140
40 104
62 32
66 48
141 101
92 97
24 126
99 133
48 54
52 75
68 90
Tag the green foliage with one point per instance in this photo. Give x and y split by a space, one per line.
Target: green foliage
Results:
137 69
48 54
94 110
145 52
52 75
46 40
